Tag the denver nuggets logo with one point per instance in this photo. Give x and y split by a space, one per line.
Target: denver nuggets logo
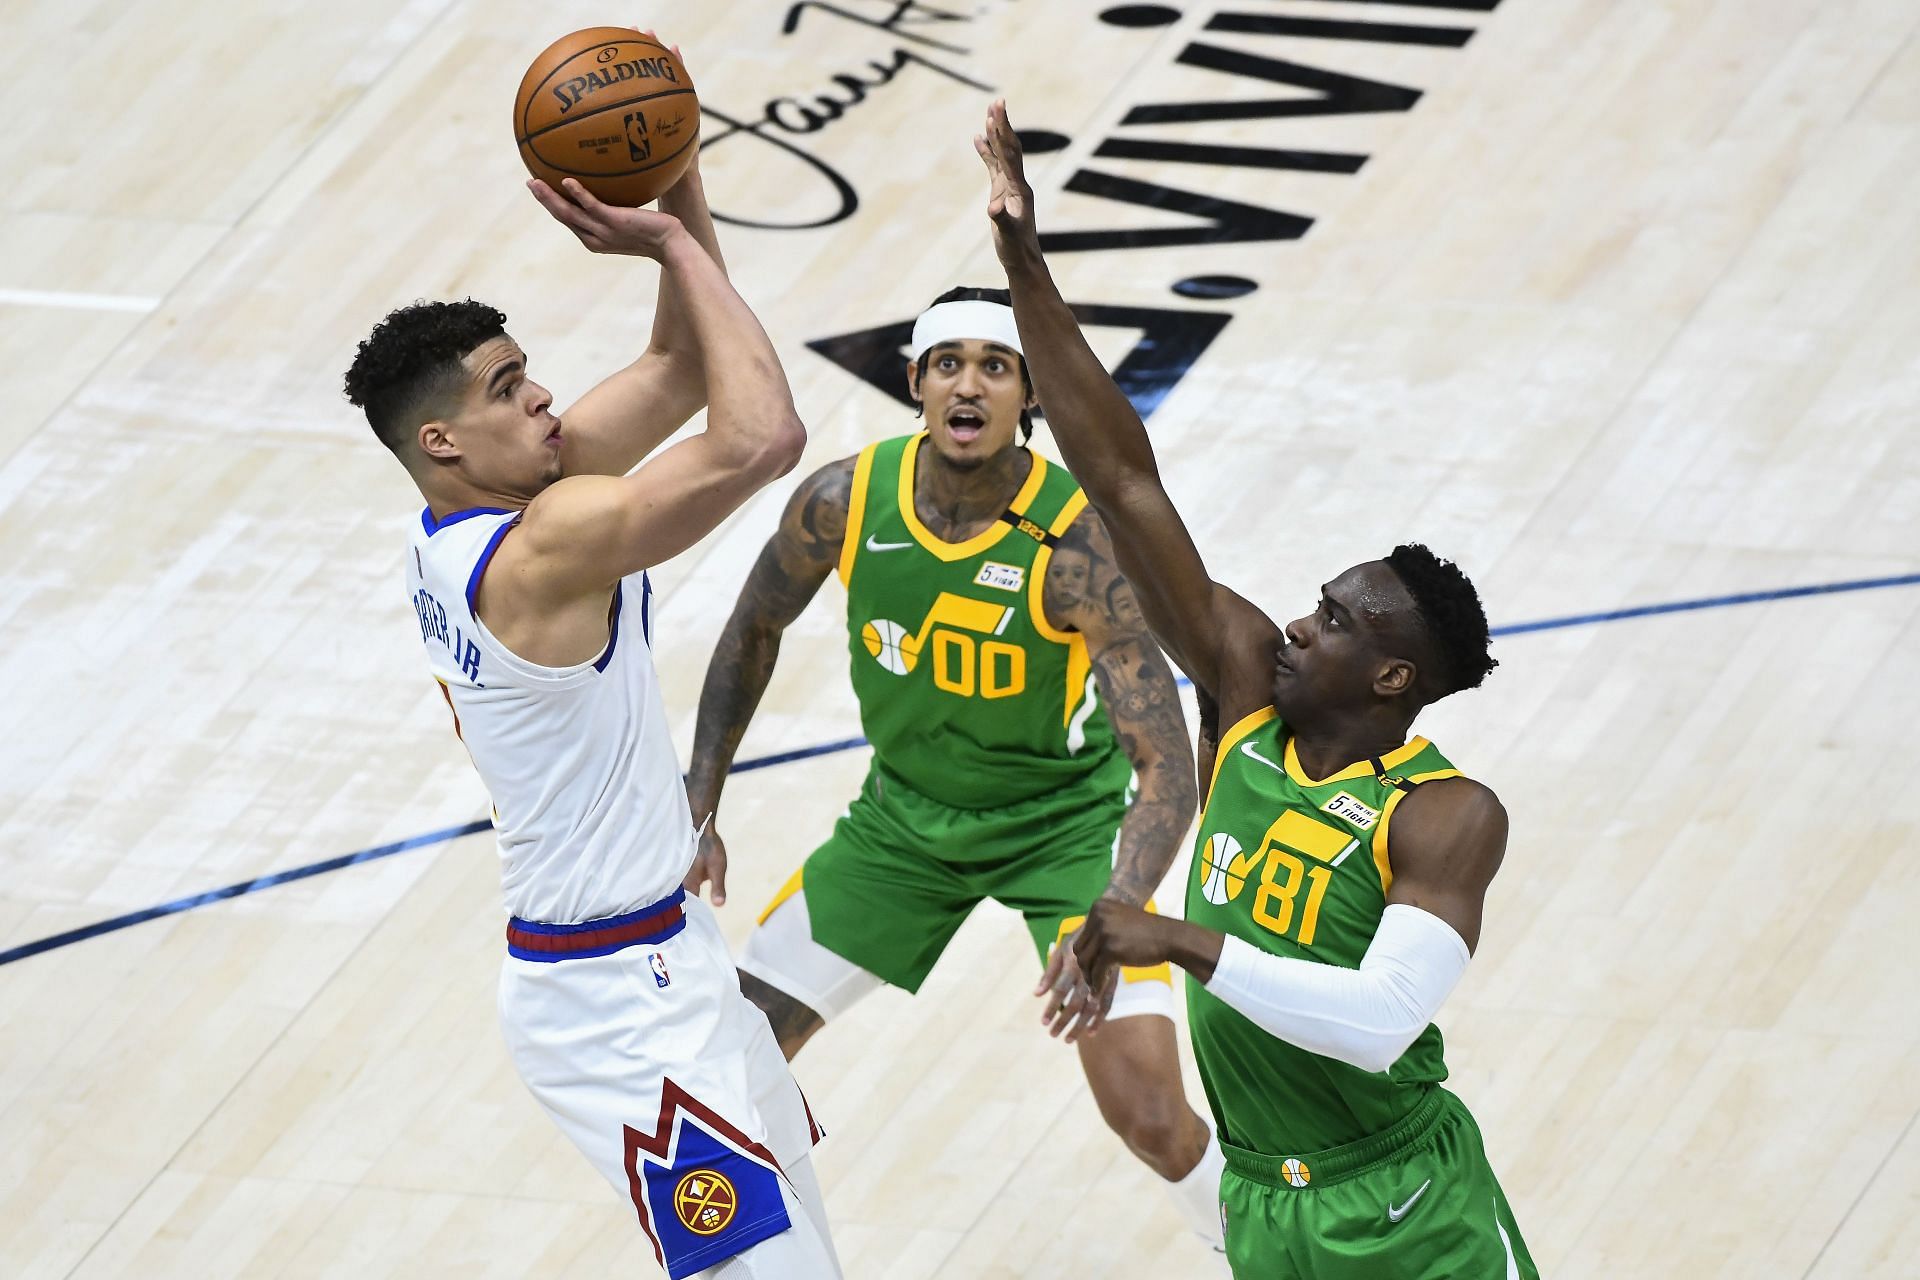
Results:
1296 1172
704 1202
1223 869
891 645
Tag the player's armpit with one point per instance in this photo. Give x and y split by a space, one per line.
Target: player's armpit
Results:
1445 842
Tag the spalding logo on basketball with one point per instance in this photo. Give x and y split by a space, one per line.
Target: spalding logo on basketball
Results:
891 645
1220 880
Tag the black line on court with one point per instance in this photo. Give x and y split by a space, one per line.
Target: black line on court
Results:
445 834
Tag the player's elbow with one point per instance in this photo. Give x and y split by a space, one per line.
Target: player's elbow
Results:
771 449
787 441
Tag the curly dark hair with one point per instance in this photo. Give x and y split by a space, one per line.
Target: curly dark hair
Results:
1450 618
408 369
969 293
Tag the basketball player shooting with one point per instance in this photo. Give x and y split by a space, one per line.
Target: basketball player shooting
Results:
527 569
1318 950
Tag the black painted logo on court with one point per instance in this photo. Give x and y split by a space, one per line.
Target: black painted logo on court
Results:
639 145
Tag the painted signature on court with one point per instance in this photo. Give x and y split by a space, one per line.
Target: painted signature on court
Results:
782 164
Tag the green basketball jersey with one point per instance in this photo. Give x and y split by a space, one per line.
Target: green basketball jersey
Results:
1299 868
967 693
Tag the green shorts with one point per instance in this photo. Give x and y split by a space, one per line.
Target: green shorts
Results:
900 872
1417 1202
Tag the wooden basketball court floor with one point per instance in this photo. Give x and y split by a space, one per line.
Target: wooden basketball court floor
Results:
1623 312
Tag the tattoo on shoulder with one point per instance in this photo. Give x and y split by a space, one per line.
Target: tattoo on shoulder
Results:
817 517
803 551
1079 572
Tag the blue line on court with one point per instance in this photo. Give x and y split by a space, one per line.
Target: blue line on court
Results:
445 834
245 886
1710 602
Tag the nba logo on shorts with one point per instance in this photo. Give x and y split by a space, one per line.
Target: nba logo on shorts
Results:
658 963
639 147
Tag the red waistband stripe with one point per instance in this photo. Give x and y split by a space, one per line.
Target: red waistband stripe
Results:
528 940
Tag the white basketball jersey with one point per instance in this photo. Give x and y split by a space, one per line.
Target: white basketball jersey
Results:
587 795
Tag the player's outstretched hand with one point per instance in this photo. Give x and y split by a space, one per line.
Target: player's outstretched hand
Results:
1118 933
607 228
709 864
1075 1007
1009 195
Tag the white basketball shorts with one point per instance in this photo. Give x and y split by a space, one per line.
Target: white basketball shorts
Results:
632 1033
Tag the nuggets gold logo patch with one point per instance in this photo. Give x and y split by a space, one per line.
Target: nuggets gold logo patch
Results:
704 1201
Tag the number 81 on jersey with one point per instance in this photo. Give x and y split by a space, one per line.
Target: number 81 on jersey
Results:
1297 851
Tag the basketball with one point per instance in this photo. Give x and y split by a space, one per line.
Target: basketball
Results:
611 108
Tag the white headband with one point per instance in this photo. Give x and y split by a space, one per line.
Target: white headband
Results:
954 321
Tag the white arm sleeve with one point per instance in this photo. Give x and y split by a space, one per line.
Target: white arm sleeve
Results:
1366 1016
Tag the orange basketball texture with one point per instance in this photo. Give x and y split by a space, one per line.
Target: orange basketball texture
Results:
611 108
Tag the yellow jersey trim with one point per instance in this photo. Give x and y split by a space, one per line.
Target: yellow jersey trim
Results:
1069 513
1232 738
787 890
856 514
1364 769
1037 599
1381 862
951 551
1079 661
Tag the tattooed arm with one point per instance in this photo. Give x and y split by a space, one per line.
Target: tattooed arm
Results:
1085 592
789 571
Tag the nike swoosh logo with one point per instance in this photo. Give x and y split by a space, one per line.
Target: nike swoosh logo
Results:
1246 748
1394 1215
885 546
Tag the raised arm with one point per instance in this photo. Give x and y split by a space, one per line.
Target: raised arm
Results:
1105 444
795 561
589 531
1085 592
627 415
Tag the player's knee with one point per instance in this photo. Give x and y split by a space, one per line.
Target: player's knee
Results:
1161 1130
793 1023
